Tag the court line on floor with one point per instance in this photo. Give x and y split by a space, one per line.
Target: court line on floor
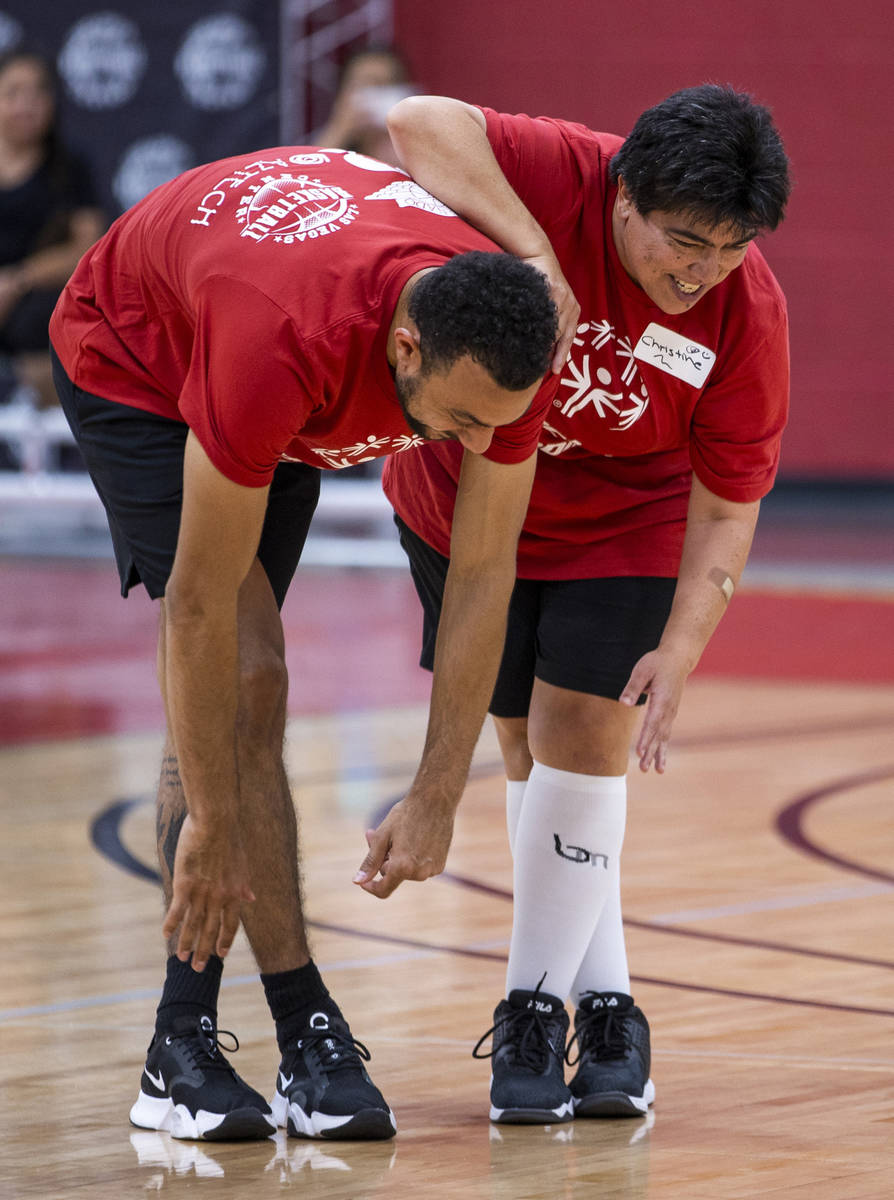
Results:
415 951
105 833
789 823
663 925
106 837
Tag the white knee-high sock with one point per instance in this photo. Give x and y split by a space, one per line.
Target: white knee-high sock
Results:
515 794
604 967
567 844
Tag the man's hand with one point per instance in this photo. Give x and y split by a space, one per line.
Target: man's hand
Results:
566 306
210 887
411 843
662 677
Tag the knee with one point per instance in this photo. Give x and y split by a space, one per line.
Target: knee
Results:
512 734
263 691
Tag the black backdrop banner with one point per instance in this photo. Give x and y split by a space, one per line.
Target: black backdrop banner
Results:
147 90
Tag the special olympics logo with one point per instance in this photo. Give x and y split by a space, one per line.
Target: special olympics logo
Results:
294 208
103 61
220 62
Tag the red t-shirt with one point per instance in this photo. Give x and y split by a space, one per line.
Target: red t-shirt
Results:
645 399
252 297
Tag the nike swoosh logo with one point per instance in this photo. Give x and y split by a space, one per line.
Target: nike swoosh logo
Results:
284 1083
158 1080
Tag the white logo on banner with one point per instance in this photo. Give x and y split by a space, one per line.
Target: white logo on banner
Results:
11 32
220 62
103 60
147 163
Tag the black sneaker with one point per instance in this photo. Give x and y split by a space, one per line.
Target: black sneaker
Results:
614 1057
189 1089
528 1052
323 1090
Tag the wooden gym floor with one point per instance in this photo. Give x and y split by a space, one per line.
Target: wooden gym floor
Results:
758 890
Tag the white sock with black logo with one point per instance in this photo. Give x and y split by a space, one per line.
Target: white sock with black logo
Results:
567 845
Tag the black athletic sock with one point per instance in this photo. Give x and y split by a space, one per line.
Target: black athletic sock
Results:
188 993
293 996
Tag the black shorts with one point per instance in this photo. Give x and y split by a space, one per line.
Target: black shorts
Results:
135 460
582 634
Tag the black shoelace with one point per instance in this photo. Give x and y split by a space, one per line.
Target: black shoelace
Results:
333 1049
601 1034
527 1033
203 1045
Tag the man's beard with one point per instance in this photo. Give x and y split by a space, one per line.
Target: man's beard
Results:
406 388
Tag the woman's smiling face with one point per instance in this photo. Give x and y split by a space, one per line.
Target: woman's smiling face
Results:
675 259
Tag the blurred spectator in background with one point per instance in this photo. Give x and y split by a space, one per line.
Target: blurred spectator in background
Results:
48 218
372 81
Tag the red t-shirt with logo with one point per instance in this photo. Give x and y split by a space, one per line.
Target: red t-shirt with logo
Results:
252 297
645 399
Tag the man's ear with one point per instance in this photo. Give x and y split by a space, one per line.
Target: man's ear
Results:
406 349
623 201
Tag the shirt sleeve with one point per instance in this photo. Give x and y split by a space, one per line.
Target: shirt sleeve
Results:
538 156
245 396
518 441
738 423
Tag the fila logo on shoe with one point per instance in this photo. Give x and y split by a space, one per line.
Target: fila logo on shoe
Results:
539 1006
580 855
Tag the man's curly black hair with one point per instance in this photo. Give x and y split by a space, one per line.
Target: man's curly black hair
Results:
711 153
492 307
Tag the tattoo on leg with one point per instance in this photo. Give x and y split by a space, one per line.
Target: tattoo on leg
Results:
170 774
169 826
171 815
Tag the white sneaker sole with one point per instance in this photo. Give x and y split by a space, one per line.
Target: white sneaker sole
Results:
365 1125
615 1104
162 1114
533 1116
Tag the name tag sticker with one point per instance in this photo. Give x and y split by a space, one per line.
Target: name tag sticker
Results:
677 355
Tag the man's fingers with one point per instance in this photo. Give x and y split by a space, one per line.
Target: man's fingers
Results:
383 886
396 871
229 924
176 909
378 852
189 934
567 332
208 933
188 916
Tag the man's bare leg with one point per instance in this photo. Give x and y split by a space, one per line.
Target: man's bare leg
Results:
308 1021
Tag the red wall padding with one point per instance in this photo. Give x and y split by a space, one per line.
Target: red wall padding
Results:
825 70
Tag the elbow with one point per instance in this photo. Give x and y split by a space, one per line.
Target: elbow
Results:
405 117
188 605
184 605
426 120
